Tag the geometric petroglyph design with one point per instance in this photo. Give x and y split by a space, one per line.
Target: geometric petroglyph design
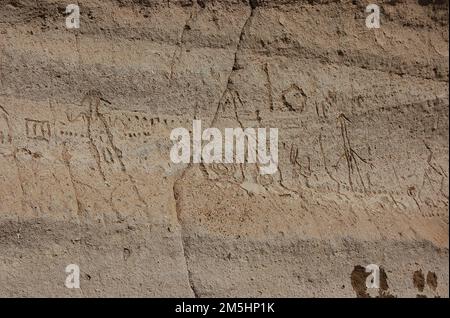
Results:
294 98
37 129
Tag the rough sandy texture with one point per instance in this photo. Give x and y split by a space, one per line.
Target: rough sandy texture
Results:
85 174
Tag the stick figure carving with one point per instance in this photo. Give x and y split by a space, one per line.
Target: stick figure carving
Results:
107 155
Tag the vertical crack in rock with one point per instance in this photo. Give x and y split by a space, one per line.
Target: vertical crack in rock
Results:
269 86
176 193
176 196
179 50
236 65
66 159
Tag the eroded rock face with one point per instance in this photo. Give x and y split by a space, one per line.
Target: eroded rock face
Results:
86 177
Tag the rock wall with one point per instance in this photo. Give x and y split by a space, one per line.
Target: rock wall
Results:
86 178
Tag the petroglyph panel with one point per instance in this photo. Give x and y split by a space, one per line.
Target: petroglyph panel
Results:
86 175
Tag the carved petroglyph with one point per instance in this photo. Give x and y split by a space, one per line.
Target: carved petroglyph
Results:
226 172
148 126
265 180
351 156
99 138
435 178
88 180
102 139
5 127
301 162
96 125
294 99
230 107
38 129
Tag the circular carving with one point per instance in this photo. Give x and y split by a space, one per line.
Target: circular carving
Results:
265 180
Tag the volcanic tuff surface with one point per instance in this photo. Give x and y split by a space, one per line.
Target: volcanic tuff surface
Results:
86 178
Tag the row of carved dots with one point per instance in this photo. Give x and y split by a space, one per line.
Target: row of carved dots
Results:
137 134
152 121
72 134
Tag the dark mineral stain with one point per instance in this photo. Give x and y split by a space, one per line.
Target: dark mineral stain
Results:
358 279
383 291
432 280
419 280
